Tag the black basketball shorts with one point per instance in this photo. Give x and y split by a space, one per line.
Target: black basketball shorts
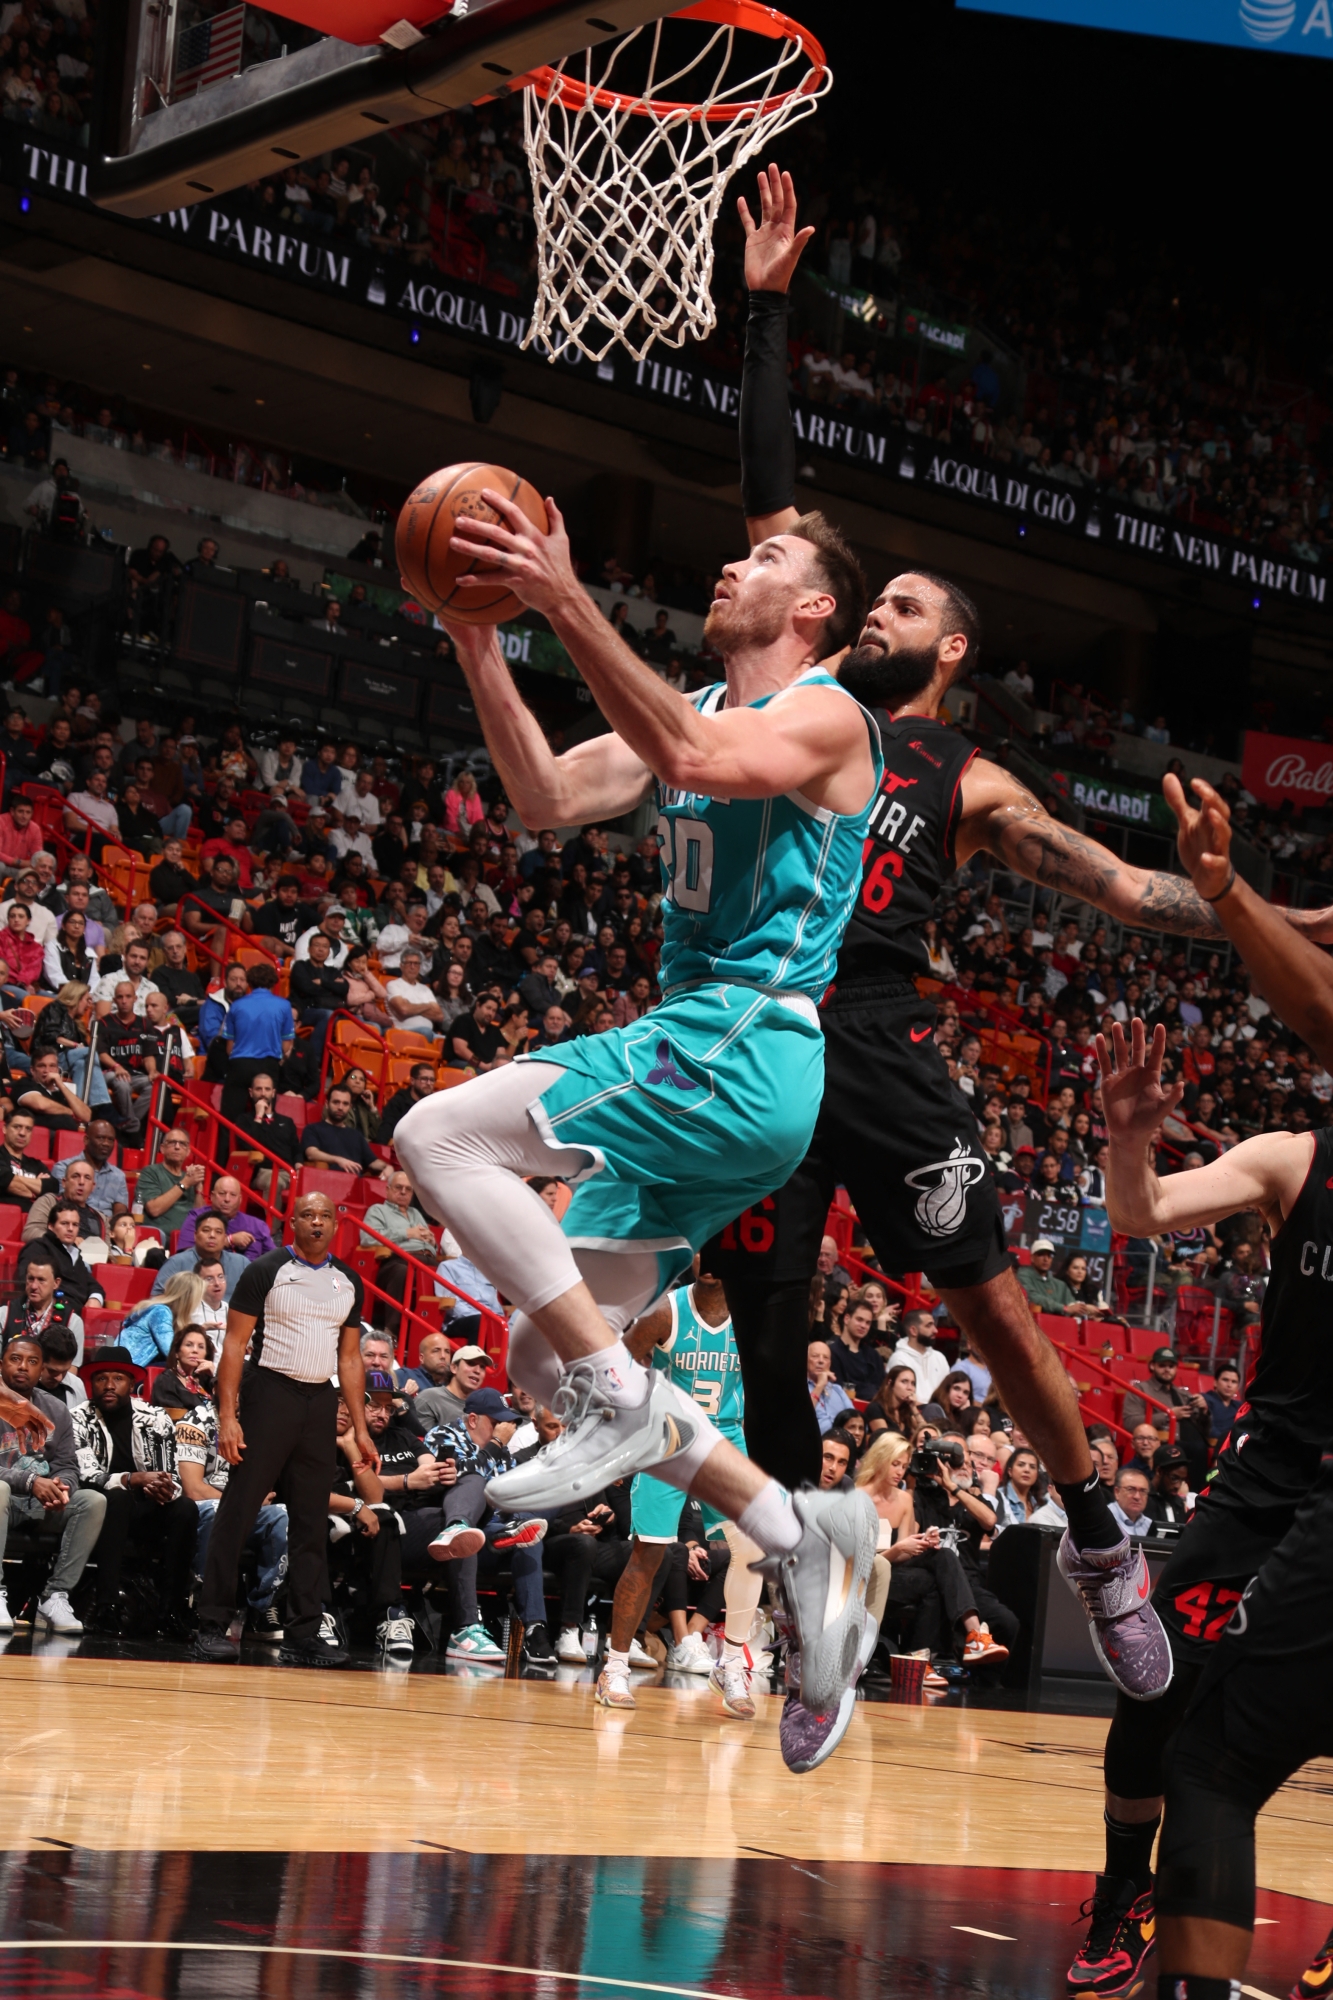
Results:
1273 1667
1241 1520
900 1137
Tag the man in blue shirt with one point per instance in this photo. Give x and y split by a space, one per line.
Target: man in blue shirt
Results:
259 1032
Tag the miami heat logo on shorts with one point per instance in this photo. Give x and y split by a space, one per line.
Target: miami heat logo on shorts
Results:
942 1204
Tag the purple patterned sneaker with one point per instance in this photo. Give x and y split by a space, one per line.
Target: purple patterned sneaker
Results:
1126 1631
808 1740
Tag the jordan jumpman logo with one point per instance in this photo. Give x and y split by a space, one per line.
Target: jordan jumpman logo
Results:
666 1070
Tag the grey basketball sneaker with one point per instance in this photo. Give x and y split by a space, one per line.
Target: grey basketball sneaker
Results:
1126 1632
807 1739
601 1441
823 1580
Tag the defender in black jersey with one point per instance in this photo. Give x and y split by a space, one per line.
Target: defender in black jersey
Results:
892 1128
1247 1598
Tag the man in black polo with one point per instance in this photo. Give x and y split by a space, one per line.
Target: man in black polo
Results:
277 1427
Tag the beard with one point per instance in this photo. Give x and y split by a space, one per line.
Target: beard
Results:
730 626
881 679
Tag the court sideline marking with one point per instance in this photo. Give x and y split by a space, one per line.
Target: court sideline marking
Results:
373 1957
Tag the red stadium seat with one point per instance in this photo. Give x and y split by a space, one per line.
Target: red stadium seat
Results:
125 1284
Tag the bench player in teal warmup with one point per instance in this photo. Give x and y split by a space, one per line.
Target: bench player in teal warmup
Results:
689 1337
671 1126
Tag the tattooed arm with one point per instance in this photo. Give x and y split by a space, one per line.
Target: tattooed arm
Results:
1001 817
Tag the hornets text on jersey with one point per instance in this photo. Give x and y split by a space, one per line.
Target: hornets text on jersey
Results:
702 1362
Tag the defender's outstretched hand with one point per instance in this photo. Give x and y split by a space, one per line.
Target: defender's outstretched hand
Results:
1134 1099
774 244
1204 839
536 567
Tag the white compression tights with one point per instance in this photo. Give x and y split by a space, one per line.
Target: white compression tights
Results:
465 1150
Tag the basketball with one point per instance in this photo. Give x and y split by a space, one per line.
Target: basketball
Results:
427 564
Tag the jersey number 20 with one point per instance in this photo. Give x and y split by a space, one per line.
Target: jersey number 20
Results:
687 856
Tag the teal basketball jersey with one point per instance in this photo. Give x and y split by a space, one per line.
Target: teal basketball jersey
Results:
758 890
703 1363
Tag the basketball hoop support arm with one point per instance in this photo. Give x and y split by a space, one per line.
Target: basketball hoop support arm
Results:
335 93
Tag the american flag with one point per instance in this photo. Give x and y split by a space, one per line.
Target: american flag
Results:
208 52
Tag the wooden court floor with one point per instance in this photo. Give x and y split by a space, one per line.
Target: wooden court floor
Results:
958 1841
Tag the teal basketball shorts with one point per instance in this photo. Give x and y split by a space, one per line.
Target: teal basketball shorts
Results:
687 1116
655 1507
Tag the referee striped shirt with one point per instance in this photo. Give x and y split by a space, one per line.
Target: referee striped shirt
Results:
300 1310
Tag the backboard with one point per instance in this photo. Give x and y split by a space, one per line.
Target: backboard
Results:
199 115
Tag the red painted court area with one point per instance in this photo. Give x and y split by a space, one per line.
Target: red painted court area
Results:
512 1927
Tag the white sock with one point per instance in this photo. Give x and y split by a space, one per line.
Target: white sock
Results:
736 1649
770 1519
616 1663
620 1375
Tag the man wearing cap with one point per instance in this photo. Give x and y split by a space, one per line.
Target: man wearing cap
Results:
1192 1424
42 1489
478 1449
916 1347
277 1426
126 1450
1046 1293
333 924
444 1405
1170 1502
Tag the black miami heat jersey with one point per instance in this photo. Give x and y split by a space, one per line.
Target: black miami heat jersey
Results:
909 850
1291 1390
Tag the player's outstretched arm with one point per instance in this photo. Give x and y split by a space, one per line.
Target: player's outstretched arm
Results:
1002 818
773 247
1293 975
595 780
1264 1173
810 740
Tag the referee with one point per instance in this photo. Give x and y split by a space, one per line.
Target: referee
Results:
277 1426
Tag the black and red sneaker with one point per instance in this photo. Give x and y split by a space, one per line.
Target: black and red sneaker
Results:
1121 1932
1317 1978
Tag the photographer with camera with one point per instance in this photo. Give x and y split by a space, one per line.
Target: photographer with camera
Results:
914 1566
949 1496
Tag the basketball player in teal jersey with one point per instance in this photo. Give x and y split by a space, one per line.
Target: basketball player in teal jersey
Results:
689 1337
763 785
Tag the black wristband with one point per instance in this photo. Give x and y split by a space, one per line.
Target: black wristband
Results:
1226 891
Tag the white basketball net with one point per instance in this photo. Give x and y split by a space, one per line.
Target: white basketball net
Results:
627 191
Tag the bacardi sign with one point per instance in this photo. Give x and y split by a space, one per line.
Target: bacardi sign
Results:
1275 768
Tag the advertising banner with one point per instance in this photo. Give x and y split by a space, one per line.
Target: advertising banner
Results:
233 227
1282 27
1277 768
1115 798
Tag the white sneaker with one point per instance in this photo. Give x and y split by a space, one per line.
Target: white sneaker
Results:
459 1539
569 1647
639 1656
691 1656
731 1679
395 1636
6 1616
601 1442
57 1614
